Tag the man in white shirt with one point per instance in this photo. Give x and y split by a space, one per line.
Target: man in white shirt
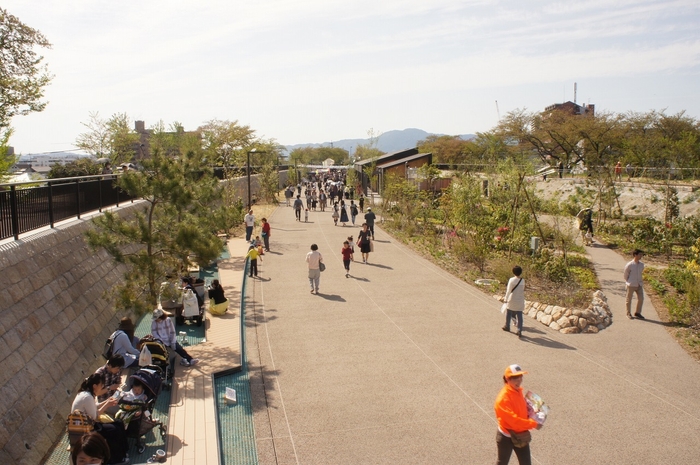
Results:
633 283
249 220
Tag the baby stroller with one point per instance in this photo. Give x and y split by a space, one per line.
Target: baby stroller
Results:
192 302
160 357
151 377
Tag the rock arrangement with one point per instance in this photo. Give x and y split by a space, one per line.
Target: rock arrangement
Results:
571 320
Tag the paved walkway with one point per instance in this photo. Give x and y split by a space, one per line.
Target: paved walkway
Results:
192 434
401 363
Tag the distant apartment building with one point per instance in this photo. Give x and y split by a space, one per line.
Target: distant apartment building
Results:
573 108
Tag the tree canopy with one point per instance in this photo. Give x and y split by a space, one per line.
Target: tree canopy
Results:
112 138
177 225
80 167
22 74
652 139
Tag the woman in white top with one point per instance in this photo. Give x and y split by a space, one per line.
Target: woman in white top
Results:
114 434
515 300
314 259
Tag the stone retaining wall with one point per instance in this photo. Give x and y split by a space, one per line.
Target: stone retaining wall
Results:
595 317
53 324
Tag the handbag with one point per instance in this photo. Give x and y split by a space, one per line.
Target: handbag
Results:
371 246
520 439
321 266
79 423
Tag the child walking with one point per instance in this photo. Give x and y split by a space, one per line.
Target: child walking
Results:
253 255
346 251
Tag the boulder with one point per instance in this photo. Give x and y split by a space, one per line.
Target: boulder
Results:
591 329
570 330
563 322
555 326
582 323
546 320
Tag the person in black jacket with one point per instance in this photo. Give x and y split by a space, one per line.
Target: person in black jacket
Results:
216 292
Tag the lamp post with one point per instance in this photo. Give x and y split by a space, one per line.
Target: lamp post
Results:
248 173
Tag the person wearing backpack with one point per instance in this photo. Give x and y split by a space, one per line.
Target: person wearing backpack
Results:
123 343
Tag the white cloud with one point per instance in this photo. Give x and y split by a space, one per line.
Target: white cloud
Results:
337 64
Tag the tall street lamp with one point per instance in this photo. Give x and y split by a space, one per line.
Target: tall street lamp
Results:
250 205
248 173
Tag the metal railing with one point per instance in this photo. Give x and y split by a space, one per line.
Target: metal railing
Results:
27 206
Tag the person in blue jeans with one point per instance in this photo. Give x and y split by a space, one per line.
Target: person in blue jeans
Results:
515 300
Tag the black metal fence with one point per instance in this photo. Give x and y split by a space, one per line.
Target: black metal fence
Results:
32 205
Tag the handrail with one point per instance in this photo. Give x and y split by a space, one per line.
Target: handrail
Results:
51 200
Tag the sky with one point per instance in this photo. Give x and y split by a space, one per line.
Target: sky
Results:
312 71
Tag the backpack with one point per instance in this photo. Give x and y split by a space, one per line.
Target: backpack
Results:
353 210
109 346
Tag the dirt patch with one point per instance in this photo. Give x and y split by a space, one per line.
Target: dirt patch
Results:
636 199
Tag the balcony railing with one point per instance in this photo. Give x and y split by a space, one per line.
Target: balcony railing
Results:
31 205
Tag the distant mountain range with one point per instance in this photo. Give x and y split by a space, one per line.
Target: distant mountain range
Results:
390 141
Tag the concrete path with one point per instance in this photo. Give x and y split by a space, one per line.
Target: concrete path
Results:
401 363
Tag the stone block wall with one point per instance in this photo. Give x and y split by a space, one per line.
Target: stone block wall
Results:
53 324
54 321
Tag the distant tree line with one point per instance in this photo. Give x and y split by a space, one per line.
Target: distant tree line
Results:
653 139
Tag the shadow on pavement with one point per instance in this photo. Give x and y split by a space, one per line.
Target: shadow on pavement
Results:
668 324
547 342
357 278
337 298
379 266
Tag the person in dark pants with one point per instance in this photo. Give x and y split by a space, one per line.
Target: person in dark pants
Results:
266 234
298 206
253 255
249 220
512 417
346 252
369 219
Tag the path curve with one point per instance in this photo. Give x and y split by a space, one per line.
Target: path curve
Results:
401 363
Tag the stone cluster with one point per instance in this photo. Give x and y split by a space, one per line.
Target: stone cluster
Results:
571 320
